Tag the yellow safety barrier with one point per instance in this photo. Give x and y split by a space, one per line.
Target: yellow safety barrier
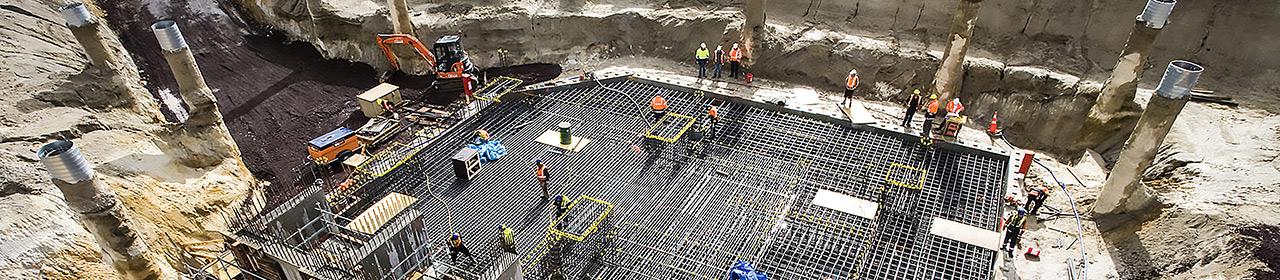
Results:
649 134
888 176
595 225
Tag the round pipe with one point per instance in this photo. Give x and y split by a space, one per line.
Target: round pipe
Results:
64 162
76 15
1178 79
1156 14
168 35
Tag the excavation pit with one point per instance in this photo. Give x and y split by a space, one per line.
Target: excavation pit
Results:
684 209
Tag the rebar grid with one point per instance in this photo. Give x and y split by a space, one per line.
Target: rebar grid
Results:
688 210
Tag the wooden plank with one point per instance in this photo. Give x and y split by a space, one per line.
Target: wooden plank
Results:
965 233
373 218
857 114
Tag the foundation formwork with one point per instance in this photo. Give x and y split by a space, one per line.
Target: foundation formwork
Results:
688 209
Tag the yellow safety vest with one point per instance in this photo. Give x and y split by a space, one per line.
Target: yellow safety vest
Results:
702 54
508 237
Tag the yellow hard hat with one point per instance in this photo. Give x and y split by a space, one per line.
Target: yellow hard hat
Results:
933 96
917 91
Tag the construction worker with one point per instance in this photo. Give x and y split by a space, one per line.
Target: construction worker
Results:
1013 230
456 247
1035 199
713 114
954 108
562 205
913 105
735 61
387 107
717 59
482 136
850 84
540 171
702 55
507 239
659 106
930 113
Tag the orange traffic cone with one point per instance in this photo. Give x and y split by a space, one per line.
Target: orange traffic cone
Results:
994 128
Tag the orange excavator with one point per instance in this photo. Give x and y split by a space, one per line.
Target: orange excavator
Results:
453 68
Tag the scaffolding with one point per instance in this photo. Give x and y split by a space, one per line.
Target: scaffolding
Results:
682 207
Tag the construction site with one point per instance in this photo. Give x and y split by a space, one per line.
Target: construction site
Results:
621 139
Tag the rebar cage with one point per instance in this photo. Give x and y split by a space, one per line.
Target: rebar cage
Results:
676 212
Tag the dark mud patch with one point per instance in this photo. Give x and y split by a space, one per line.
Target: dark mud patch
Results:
1268 251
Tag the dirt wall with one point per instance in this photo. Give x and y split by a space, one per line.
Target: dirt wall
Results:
1044 113
1083 38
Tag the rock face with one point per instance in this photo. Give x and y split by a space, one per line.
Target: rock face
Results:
51 92
813 56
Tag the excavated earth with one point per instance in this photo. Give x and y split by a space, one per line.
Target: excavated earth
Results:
274 94
285 71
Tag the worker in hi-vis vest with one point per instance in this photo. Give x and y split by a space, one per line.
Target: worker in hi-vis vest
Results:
735 61
850 84
702 55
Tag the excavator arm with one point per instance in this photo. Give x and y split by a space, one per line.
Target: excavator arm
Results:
386 40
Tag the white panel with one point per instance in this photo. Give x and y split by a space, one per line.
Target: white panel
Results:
965 233
843 203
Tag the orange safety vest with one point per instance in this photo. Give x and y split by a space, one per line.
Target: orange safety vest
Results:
933 107
735 54
712 112
541 172
658 103
851 82
954 107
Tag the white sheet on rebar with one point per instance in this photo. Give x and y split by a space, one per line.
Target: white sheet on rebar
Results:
844 203
965 233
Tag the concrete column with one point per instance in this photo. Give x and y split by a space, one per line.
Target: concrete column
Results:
755 14
204 140
1123 191
107 57
201 103
400 21
1107 116
946 82
99 210
85 29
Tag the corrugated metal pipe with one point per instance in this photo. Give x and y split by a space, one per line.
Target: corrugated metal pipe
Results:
168 35
1156 14
1178 79
76 15
64 162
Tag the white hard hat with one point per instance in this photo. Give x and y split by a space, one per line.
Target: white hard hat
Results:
735 45
853 72
704 45
718 47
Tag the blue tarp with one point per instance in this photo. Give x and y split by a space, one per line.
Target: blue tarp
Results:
489 150
743 270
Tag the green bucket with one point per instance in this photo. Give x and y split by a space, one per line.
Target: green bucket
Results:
566 138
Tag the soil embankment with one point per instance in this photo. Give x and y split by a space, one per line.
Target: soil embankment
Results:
274 94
